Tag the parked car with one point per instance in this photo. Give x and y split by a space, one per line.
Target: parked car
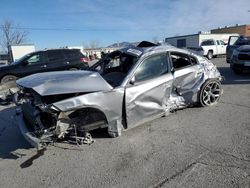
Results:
43 61
240 59
238 53
213 47
235 42
128 87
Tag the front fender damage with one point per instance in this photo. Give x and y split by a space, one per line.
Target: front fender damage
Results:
71 119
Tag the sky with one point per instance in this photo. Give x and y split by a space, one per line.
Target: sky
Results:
57 23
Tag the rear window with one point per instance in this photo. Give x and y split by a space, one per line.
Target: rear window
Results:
243 41
55 55
73 53
207 43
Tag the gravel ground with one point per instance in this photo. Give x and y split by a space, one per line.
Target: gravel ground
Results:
194 147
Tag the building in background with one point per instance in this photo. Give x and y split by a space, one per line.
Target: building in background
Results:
195 40
18 51
239 29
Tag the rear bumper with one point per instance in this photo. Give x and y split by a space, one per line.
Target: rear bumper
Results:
29 136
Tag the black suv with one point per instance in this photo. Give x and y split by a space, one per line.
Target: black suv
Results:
238 53
44 61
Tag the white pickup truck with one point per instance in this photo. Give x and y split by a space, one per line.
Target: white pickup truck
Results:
213 47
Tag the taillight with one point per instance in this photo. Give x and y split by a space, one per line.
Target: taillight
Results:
84 59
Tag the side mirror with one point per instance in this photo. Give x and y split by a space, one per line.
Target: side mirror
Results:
132 81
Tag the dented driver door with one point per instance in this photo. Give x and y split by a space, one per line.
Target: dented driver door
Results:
148 90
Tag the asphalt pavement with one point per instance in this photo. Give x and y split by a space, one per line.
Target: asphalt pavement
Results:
194 147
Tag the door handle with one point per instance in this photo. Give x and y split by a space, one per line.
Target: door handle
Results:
43 66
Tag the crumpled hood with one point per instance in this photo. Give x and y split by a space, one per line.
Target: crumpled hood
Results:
63 82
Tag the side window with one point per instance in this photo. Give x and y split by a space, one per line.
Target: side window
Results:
152 67
72 54
55 55
34 59
218 42
193 60
222 42
180 60
207 43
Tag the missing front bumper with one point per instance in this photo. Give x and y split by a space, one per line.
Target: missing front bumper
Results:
29 136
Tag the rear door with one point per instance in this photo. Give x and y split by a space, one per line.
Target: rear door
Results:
187 73
148 90
56 60
75 59
223 47
218 47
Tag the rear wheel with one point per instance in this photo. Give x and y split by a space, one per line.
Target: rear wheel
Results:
73 69
210 92
210 54
8 79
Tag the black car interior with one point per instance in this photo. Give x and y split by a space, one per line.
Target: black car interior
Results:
116 67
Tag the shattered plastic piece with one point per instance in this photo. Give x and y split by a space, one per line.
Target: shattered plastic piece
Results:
86 139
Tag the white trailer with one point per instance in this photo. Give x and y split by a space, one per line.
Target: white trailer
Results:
195 40
18 51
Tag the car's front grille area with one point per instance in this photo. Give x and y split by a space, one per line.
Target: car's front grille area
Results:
244 56
28 114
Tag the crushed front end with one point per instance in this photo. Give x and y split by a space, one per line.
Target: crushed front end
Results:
42 123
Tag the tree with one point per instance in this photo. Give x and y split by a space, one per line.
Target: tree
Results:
155 39
11 34
94 44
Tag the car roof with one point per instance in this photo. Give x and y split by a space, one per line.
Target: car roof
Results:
57 49
139 51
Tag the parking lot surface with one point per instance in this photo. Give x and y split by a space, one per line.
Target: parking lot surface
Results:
194 147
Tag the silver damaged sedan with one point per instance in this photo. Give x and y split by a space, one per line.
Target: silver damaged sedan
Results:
126 88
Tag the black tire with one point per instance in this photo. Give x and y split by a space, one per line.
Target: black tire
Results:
8 79
210 54
210 93
73 69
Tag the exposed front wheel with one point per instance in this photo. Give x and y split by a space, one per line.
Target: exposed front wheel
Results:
8 79
210 92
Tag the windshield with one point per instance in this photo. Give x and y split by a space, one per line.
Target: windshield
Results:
115 67
243 41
